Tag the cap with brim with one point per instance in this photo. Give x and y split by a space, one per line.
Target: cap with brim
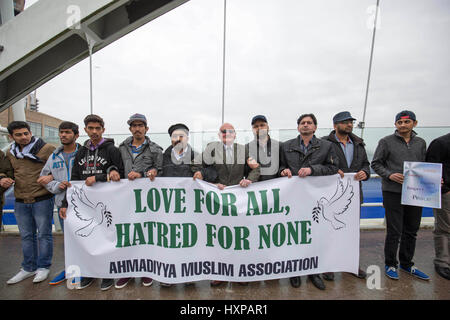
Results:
405 114
259 117
137 117
342 116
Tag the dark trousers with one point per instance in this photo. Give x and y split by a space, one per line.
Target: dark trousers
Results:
402 224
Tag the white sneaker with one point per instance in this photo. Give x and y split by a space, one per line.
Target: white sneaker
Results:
41 275
22 275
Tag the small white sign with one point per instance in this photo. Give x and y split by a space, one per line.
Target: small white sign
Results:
422 184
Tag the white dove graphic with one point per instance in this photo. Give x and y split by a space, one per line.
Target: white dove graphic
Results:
337 205
82 206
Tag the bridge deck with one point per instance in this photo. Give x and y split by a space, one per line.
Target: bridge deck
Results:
345 286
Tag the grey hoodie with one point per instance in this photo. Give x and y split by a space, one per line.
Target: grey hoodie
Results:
56 166
392 151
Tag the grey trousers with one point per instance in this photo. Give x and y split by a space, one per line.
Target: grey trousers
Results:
442 233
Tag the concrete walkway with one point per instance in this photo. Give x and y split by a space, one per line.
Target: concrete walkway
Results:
345 286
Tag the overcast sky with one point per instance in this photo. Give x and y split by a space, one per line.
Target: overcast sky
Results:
283 58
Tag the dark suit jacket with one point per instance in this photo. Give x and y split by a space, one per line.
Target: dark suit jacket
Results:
229 174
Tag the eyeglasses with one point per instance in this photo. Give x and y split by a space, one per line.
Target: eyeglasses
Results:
227 131
306 122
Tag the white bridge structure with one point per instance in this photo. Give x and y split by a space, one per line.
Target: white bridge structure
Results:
53 35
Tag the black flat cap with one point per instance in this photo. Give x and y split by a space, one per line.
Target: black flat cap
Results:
342 116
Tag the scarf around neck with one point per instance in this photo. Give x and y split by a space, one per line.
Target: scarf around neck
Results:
29 151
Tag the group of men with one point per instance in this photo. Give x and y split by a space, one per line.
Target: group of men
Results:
41 174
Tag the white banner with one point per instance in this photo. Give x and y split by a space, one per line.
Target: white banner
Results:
177 230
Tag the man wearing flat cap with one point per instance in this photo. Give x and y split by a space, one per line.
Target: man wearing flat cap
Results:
352 157
402 221
264 149
141 158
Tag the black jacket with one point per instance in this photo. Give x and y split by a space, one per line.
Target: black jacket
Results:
186 166
104 159
321 158
359 161
439 152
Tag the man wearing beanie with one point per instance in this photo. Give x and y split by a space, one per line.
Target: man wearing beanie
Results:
402 221
180 160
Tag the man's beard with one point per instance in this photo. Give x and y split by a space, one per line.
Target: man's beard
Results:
344 132
178 145
261 135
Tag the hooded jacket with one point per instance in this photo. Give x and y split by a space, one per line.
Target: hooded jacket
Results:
99 163
57 167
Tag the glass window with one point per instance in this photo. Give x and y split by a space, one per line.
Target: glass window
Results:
36 128
50 131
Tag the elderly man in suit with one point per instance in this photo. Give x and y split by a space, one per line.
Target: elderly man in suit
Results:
231 161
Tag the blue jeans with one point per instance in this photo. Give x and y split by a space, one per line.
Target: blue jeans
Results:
61 220
35 226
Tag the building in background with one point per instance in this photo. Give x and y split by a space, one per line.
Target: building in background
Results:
42 125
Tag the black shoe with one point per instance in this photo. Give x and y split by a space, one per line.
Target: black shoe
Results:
106 284
329 276
242 283
317 281
443 272
295 281
85 282
361 274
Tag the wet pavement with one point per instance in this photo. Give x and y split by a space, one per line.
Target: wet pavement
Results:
344 287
